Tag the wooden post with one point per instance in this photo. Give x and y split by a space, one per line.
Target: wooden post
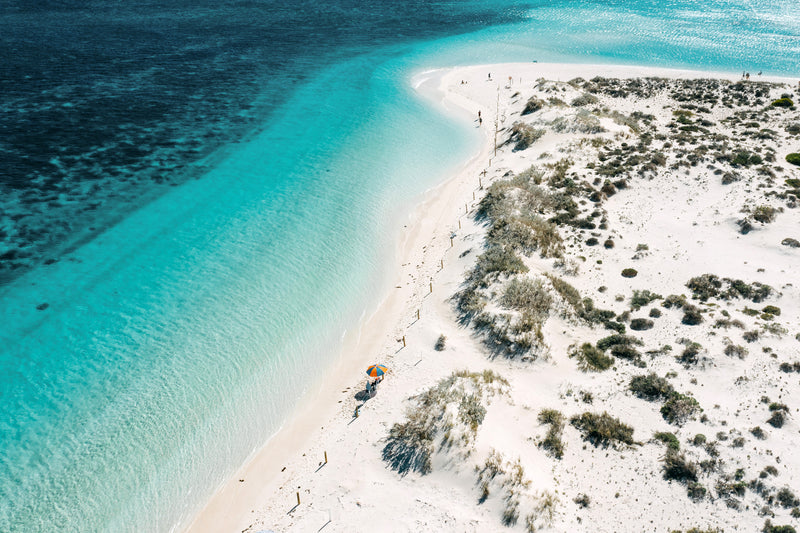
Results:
459 223
451 240
298 498
417 314
404 341
473 195
480 183
441 263
431 286
326 457
466 209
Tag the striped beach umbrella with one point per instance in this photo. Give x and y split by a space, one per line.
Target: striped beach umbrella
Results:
376 371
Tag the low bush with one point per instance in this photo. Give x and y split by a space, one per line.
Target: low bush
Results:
651 387
411 443
782 102
552 442
582 500
497 260
641 324
677 467
654 313
697 492
764 214
603 429
532 105
793 158
769 527
679 408
669 439
629 273
791 243
705 286
524 294
692 315
674 300
786 498
525 135
618 339
642 298
772 310
689 355
735 350
591 358
440 342
584 99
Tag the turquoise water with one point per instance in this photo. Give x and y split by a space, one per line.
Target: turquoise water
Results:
174 339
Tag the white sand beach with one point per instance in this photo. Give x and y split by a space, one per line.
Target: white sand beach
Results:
665 178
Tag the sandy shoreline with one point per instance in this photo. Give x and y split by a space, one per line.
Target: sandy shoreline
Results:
290 462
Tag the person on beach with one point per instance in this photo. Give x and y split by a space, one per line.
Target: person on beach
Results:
480 121
369 389
479 114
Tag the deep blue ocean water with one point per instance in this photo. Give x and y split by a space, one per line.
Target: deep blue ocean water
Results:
196 201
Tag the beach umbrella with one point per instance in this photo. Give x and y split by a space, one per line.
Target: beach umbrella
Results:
376 371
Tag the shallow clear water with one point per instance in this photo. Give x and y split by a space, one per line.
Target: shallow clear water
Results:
221 207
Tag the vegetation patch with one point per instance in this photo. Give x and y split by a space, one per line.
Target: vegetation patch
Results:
447 414
669 439
679 408
603 429
651 387
552 442
591 359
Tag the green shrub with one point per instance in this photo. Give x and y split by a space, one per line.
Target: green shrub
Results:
705 286
782 102
674 300
642 298
735 350
651 387
533 104
411 443
629 273
786 498
669 439
772 310
690 353
654 313
777 419
525 294
764 214
584 99
591 358
770 528
691 315
497 260
552 441
440 342
641 324
678 408
793 158
699 439
697 492
618 339
603 429
525 135
677 467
